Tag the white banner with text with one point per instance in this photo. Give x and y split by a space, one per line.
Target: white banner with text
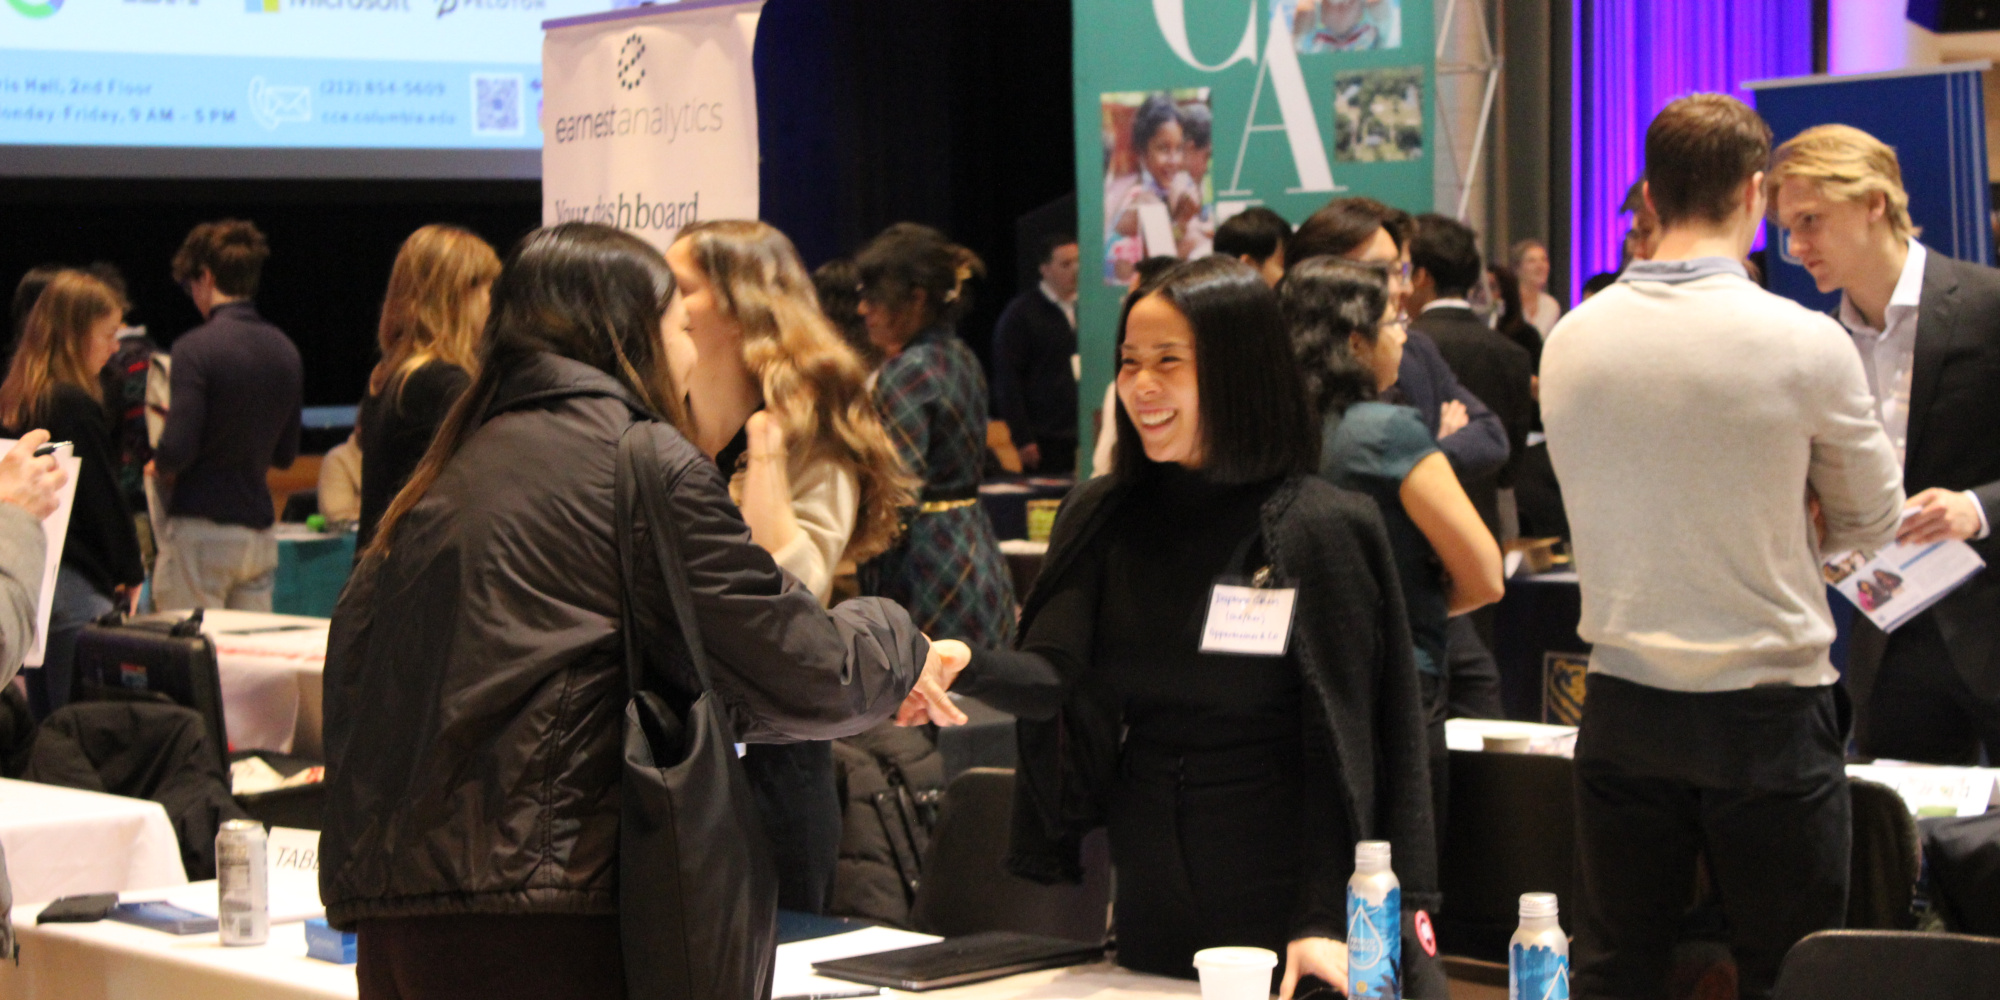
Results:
649 117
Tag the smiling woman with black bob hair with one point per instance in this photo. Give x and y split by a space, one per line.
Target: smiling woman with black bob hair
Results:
1234 785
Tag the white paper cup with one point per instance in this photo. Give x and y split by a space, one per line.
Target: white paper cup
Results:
1235 973
1507 739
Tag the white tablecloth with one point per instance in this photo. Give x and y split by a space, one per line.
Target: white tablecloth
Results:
63 842
271 666
114 961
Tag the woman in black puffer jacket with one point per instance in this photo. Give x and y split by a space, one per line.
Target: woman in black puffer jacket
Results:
475 677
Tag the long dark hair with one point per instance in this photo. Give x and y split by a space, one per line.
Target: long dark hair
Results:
1325 301
579 290
1255 424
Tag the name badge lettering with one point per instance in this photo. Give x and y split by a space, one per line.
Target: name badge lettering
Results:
1249 621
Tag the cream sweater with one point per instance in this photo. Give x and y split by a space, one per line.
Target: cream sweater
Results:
1688 412
825 499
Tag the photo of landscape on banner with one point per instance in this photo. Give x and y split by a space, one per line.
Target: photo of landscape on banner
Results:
1190 112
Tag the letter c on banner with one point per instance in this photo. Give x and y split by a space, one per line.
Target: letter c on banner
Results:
1172 18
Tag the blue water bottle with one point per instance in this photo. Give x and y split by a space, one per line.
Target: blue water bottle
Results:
1538 956
1374 926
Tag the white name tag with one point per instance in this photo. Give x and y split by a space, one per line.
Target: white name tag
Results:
1248 621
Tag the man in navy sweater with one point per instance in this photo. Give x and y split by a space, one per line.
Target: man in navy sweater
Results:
233 413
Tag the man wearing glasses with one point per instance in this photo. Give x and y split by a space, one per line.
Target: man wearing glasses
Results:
237 384
1928 330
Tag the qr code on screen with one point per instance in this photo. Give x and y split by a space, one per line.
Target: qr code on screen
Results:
496 104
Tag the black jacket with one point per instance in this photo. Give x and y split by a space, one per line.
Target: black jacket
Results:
1954 443
1034 388
1498 371
395 429
1426 382
102 543
475 680
1352 643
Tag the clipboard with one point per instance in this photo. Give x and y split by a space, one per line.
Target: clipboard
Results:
56 528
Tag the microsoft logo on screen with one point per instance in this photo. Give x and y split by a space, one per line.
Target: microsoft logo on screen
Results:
35 8
260 6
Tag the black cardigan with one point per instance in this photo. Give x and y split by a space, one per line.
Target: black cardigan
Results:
102 544
1350 638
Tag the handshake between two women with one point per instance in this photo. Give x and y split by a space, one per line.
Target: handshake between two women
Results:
928 701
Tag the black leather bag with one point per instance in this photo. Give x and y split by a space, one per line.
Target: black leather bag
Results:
697 889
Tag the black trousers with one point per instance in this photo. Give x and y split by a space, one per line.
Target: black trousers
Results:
1206 847
1753 781
798 799
1912 703
1475 676
482 957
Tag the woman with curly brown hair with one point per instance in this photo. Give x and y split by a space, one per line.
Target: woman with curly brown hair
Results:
781 401
777 397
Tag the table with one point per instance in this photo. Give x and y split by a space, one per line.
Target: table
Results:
64 841
1005 500
108 960
312 569
271 667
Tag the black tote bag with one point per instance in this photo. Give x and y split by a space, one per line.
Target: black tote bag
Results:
697 889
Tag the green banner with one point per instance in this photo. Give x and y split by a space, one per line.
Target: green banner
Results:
1189 111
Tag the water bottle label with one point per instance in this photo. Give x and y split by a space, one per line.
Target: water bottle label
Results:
1375 947
1537 973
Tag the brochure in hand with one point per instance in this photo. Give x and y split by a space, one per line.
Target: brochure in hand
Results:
1895 584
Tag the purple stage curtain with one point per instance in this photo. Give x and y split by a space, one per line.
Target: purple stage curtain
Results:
1633 57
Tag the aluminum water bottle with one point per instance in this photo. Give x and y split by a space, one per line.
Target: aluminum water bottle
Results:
1538 956
1374 926
243 889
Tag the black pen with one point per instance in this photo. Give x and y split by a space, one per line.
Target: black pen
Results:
50 448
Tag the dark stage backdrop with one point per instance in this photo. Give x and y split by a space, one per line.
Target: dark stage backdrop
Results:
956 114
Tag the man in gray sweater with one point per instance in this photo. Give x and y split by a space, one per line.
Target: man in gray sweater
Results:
1712 440
28 488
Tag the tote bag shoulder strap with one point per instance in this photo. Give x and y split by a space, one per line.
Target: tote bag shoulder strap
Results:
639 488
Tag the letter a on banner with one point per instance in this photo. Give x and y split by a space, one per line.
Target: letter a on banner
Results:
649 117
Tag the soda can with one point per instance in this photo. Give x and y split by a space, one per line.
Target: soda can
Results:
243 907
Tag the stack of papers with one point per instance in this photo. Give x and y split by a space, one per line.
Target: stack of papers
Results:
1930 790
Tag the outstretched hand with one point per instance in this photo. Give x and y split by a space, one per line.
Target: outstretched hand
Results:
29 482
928 702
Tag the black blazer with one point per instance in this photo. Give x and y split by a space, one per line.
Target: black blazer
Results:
1034 389
1425 381
1954 442
1498 371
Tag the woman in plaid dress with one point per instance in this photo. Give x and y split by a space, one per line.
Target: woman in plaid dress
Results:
947 568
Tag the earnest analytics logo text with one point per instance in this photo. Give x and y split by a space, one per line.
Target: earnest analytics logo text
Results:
658 119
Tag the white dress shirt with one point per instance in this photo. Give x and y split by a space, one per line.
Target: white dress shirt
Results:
1889 356
1068 305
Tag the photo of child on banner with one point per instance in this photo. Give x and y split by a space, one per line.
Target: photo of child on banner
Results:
1344 25
1158 197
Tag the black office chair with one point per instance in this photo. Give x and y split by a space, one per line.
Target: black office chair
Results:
966 887
1869 965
